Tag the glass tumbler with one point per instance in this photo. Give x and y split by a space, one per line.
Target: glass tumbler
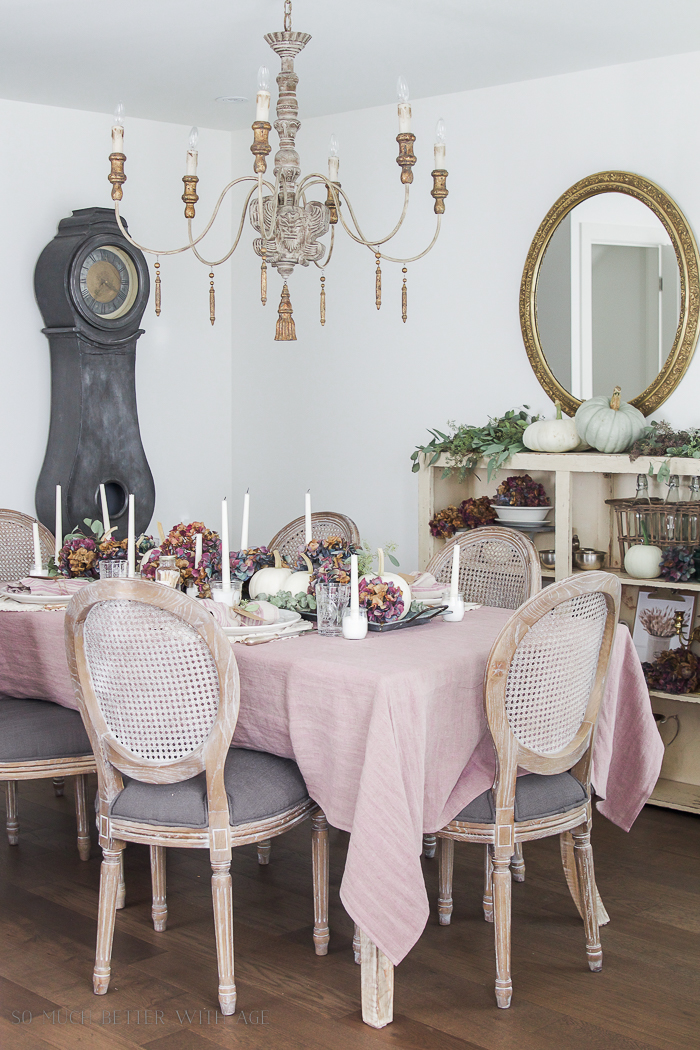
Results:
114 569
331 601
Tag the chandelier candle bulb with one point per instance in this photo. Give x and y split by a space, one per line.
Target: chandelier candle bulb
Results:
225 552
262 101
192 152
38 565
246 518
105 510
439 148
131 540
58 528
197 549
404 106
307 517
118 129
333 159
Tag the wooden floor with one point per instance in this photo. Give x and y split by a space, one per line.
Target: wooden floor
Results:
646 996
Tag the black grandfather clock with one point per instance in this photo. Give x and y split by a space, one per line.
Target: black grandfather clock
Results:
92 287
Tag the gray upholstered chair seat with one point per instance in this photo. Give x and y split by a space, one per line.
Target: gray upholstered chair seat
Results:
36 729
535 796
258 785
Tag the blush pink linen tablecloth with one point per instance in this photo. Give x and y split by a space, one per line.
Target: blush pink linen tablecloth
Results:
389 734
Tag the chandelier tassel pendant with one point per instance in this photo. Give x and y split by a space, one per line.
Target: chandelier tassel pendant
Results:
157 269
404 298
378 282
263 282
285 330
212 299
323 300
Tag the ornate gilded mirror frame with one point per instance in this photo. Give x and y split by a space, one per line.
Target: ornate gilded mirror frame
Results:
678 229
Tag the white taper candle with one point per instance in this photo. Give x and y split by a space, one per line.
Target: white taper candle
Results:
197 549
225 551
58 526
131 540
307 517
354 587
246 518
454 579
105 510
38 564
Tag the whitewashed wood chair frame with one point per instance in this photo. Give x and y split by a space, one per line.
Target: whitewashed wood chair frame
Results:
208 755
553 736
498 567
324 523
16 561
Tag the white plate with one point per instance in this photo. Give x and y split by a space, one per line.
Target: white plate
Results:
287 618
37 599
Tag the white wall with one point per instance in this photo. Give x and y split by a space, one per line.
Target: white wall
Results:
341 409
56 161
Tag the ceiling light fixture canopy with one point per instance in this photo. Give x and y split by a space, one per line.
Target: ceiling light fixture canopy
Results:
288 224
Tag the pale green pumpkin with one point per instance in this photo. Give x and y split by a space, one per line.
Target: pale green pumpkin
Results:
609 424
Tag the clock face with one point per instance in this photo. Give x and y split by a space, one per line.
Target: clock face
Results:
108 282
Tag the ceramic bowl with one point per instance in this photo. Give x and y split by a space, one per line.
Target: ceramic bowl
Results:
587 558
521 515
547 559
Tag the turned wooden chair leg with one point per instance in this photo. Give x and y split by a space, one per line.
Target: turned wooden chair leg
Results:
321 873
446 860
583 854
121 890
487 899
12 814
357 945
106 915
222 898
264 849
429 845
517 863
159 905
501 922
81 816
59 784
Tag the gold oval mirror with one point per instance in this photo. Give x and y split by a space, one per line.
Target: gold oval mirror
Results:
610 293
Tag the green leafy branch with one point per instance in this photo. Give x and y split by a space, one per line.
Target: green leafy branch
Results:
464 446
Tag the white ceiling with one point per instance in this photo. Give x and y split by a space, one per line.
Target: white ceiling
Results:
169 59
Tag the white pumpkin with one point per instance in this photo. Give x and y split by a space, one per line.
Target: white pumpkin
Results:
391 577
269 580
643 561
298 582
609 425
552 435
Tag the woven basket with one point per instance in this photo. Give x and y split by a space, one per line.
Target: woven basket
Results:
666 524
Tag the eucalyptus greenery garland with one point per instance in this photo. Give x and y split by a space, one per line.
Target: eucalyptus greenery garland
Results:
465 445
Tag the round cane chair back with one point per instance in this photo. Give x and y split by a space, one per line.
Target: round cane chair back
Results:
154 671
325 523
497 567
17 544
547 669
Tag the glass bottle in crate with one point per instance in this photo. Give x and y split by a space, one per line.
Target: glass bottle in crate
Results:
167 571
641 496
694 519
672 497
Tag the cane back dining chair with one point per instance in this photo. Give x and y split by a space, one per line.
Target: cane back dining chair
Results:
38 739
543 687
158 688
497 567
324 523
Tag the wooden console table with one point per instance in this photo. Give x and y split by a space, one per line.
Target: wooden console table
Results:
578 484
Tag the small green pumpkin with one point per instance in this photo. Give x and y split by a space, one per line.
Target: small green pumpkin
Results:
608 424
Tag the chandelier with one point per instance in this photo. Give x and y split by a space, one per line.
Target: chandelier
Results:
288 224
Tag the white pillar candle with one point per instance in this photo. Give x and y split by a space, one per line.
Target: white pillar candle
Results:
58 526
454 579
197 549
354 587
225 552
105 511
307 517
38 564
246 518
131 540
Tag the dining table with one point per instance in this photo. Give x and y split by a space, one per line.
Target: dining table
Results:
390 735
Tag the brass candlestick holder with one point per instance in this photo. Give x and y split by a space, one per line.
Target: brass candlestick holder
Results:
261 147
406 159
439 190
190 195
116 175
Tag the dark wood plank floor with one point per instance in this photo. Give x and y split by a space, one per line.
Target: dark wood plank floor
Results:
163 992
